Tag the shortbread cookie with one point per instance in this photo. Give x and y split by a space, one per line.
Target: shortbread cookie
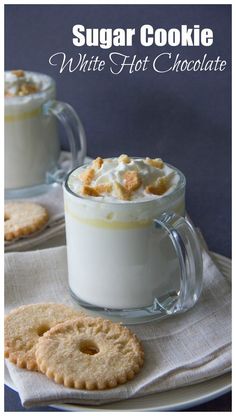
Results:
124 159
26 324
103 188
97 163
87 176
121 191
132 180
161 185
19 73
89 190
156 163
23 218
89 353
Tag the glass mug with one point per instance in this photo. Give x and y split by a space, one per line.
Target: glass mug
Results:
133 260
32 147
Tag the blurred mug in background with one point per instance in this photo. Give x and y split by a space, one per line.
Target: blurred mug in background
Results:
32 146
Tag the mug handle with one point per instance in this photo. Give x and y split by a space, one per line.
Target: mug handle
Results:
185 241
75 134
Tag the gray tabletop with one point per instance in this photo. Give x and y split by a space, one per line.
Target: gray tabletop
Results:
185 118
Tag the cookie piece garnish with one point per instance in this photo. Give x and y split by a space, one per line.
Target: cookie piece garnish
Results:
87 176
132 180
97 163
161 185
121 191
89 190
156 163
89 353
103 188
27 89
19 73
23 218
124 159
25 325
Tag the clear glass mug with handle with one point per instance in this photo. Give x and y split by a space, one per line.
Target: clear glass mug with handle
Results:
136 261
32 147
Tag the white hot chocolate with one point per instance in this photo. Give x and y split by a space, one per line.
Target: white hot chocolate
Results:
116 257
31 141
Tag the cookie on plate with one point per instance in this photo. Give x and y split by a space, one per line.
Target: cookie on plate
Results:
23 218
89 353
25 325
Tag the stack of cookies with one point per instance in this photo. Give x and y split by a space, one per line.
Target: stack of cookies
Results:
70 347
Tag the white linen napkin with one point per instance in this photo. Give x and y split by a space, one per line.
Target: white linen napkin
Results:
179 351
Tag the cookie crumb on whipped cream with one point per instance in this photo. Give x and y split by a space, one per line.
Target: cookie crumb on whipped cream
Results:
124 179
20 83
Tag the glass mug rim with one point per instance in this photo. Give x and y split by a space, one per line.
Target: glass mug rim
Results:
181 185
51 86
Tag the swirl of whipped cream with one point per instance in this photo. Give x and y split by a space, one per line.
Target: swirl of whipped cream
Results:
109 180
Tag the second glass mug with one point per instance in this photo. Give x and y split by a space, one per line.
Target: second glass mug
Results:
32 147
133 260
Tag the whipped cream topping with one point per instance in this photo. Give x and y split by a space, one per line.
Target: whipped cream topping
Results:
124 179
22 83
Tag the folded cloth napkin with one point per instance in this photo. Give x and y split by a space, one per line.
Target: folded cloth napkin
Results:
52 200
179 351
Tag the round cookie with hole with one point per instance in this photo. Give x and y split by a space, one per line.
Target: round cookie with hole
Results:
89 353
24 326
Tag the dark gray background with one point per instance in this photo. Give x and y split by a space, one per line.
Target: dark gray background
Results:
185 118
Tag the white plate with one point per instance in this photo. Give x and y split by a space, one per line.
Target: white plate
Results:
178 399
